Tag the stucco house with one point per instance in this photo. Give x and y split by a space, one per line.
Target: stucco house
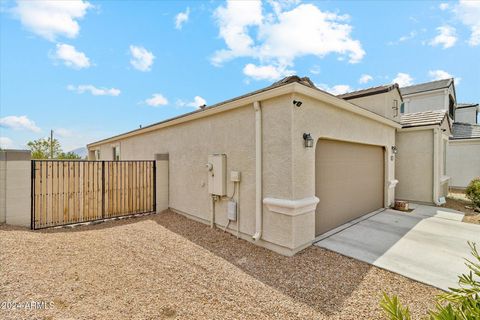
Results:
463 157
420 142
463 149
296 160
421 166
434 95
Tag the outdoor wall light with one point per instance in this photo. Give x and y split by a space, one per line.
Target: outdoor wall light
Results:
394 149
297 103
308 140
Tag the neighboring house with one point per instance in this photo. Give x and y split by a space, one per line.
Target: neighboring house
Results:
435 95
421 142
463 158
308 161
421 166
383 100
463 154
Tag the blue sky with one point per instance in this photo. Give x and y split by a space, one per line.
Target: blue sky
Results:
90 70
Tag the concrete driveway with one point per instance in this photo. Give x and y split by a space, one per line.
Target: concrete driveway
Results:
427 245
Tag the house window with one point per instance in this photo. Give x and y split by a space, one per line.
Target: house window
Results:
451 108
395 108
116 153
97 154
402 107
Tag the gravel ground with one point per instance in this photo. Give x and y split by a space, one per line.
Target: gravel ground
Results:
458 201
167 266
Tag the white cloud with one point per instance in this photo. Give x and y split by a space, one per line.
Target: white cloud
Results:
404 38
315 70
336 89
196 103
6 143
446 37
268 72
441 74
284 35
403 79
19 123
71 57
50 19
468 12
94 90
365 78
156 100
443 6
63 133
181 18
142 59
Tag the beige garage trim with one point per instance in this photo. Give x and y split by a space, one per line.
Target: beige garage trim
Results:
349 180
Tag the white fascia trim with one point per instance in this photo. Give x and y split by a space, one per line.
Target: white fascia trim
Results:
338 102
291 207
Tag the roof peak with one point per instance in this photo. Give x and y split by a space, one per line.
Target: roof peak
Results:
428 82
294 78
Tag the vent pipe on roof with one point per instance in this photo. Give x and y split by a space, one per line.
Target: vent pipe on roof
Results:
258 171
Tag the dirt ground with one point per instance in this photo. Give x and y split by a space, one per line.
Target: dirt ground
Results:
166 266
458 201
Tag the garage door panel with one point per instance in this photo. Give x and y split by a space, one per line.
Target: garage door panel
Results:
349 182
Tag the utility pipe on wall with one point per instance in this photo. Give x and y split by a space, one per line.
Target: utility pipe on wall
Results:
258 171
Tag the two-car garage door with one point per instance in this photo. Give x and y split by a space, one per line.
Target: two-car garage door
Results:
349 182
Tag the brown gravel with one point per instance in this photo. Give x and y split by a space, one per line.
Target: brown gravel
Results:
458 201
169 267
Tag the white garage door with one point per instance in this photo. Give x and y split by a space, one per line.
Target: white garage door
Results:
349 181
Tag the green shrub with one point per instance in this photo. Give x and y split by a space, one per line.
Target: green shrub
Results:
473 192
461 303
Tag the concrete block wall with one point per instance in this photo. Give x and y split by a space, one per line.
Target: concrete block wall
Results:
15 187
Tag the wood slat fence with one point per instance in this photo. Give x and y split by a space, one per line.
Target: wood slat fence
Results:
66 192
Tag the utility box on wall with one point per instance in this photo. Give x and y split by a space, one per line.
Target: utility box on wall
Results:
217 171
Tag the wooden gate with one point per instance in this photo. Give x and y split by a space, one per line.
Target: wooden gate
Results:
66 192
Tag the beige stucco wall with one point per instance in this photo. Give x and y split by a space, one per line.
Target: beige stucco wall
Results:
420 163
382 104
329 122
425 101
463 161
188 145
15 189
414 165
466 115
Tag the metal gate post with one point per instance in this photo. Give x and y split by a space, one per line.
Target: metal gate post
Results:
103 189
32 196
155 186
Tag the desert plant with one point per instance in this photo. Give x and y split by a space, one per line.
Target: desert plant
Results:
473 192
461 303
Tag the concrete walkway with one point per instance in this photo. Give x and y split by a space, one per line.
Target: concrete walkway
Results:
428 245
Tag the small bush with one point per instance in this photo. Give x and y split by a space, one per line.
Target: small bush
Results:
473 192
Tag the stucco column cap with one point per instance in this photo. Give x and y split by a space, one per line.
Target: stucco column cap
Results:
291 207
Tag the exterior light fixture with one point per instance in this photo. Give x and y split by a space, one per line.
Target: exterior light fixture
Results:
394 149
308 140
297 103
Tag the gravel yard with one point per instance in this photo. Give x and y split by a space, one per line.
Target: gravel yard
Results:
166 266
